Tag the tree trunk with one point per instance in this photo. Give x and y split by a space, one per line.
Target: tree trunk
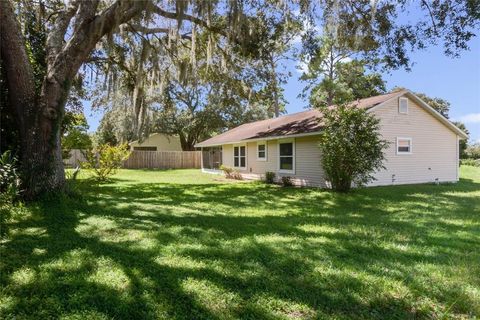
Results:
186 143
38 123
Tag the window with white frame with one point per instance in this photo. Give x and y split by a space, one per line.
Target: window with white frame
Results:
403 105
286 161
239 156
262 151
404 145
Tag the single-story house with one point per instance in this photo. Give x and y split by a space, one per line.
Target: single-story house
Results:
423 144
157 142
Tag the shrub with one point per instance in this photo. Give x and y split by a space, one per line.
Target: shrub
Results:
270 177
236 175
8 172
287 181
106 160
227 171
351 145
470 162
231 173
9 188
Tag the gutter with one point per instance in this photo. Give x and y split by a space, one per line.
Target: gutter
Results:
298 135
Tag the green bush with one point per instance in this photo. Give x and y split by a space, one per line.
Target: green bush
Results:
351 146
106 160
9 189
270 177
470 162
287 181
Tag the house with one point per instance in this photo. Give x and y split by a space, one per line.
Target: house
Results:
157 142
423 144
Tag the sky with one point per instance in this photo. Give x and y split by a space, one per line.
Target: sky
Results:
456 80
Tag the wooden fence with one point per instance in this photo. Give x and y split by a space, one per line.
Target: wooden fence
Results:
76 156
164 160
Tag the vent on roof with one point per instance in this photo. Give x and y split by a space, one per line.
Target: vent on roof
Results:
403 105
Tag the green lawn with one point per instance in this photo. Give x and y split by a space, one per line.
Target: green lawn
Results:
186 245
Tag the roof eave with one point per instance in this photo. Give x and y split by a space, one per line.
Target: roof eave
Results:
298 135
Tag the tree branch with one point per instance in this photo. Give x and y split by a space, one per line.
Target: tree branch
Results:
56 36
85 13
84 40
196 20
144 30
431 16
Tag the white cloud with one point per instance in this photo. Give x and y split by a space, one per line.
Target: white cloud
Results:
470 118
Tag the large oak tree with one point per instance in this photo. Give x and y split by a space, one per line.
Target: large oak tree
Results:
74 31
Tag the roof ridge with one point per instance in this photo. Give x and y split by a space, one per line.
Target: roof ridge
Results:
302 122
279 117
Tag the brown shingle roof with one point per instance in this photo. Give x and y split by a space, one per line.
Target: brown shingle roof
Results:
304 122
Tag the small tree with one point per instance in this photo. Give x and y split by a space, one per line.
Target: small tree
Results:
351 145
75 135
106 160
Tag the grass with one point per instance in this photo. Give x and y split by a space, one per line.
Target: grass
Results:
187 245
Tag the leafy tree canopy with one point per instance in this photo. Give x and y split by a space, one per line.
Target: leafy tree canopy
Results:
349 81
439 104
378 31
75 133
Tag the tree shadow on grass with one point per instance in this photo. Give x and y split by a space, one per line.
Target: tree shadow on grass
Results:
243 251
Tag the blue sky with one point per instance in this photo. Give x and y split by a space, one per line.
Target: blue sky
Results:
456 80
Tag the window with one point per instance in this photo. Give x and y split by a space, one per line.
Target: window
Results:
403 105
145 148
286 161
239 157
262 151
404 145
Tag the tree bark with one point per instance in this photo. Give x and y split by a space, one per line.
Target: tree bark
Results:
186 142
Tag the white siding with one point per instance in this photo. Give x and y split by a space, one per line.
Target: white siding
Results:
434 147
308 171
308 167
227 155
